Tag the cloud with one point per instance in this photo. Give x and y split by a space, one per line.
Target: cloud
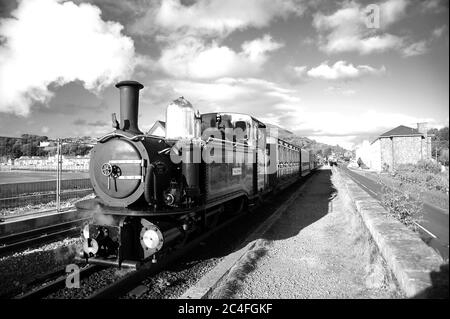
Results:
193 58
98 123
423 46
213 17
345 30
338 128
82 122
280 105
244 95
48 43
340 90
439 32
392 11
300 71
342 70
417 48
346 142
79 122
434 6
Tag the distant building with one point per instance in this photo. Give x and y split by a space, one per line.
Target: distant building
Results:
30 161
158 129
50 162
348 154
48 145
401 145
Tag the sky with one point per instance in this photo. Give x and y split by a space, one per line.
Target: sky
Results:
338 72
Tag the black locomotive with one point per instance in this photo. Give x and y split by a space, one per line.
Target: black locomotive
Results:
154 192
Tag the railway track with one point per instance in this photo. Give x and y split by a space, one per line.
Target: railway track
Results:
132 279
28 235
95 288
56 281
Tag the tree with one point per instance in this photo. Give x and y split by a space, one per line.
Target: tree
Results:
439 140
443 158
17 149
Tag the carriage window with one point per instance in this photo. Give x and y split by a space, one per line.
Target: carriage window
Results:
241 131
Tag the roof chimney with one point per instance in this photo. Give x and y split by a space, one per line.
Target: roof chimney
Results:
129 105
423 128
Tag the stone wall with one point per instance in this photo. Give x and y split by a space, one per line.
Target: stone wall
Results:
404 150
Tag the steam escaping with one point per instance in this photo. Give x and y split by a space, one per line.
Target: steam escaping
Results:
54 42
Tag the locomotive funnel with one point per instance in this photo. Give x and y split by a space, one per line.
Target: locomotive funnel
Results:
129 105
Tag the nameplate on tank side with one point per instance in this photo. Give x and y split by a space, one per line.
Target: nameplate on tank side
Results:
236 171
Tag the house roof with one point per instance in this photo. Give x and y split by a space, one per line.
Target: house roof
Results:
155 125
162 123
400 130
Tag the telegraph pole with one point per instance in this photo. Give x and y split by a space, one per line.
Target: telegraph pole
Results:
58 175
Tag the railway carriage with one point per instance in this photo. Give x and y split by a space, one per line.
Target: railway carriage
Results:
154 193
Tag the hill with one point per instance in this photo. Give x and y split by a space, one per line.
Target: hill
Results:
307 143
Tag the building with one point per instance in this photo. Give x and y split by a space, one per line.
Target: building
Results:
78 163
48 146
401 145
158 129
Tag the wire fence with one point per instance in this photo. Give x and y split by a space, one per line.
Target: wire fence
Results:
52 179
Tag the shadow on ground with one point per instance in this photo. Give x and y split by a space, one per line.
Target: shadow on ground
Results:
230 239
439 289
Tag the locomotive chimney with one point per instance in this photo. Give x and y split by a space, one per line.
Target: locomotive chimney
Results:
129 105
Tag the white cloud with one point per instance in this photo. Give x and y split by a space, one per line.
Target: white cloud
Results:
244 95
300 71
192 58
417 48
213 17
51 42
283 106
338 128
340 90
342 70
345 30
346 142
434 6
391 11
439 32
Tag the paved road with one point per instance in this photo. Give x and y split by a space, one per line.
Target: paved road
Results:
434 226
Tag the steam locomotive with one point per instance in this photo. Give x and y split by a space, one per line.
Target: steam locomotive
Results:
153 193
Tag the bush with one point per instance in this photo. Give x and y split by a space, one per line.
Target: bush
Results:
429 166
402 206
425 173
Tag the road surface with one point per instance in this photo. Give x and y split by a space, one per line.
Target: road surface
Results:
434 227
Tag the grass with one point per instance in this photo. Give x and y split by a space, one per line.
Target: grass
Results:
377 273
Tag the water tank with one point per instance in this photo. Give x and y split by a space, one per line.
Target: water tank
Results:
180 119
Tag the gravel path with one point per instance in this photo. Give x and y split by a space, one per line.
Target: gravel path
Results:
317 250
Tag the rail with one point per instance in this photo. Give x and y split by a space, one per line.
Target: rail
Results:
27 238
